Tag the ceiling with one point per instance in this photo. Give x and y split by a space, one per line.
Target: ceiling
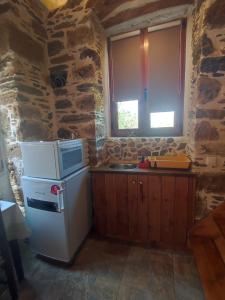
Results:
114 12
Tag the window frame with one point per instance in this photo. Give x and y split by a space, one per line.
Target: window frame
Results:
144 129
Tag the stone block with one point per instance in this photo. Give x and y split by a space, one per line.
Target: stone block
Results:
39 29
208 89
62 59
204 131
93 54
215 15
28 111
64 25
58 68
76 118
212 183
85 72
63 104
58 34
64 133
212 64
22 98
60 92
213 148
55 47
207 45
90 87
210 114
28 89
80 36
33 130
86 102
24 45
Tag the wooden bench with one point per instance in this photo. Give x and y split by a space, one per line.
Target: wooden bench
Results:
207 241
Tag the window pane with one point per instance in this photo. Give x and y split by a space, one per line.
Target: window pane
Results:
127 114
126 68
162 119
164 64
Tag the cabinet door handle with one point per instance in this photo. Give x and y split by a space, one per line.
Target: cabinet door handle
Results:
141 191
134 181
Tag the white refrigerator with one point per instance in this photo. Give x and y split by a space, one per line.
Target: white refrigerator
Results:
58 213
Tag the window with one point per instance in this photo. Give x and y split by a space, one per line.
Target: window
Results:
147 81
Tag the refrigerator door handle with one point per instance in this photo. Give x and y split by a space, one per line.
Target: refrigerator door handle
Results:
60 200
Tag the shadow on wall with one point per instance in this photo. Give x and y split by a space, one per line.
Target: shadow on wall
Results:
5 187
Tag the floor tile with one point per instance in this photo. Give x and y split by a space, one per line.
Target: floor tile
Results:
187 283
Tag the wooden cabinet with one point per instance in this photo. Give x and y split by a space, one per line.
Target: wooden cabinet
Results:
149 208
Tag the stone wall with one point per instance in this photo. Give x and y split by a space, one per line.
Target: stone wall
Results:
76 53
207 117
25 93
134 148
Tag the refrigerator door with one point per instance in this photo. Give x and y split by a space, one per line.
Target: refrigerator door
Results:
49 226
78 207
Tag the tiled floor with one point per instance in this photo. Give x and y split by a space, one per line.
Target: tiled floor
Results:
108 270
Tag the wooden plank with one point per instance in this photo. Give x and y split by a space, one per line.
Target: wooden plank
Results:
167 210
143 200
122 217
191 201
155 195
130 13
220 221
110 195
100 205
210 266
133 206
209 229
180 211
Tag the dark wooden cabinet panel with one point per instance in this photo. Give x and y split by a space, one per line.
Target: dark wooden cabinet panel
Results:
122 217
100 206
181 211
111 203
154 209
167 210
142 208
133 206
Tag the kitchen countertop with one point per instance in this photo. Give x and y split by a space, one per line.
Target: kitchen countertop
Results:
106 168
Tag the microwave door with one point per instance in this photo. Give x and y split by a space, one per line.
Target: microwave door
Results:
71 159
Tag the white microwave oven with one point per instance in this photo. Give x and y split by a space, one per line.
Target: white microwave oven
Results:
53 160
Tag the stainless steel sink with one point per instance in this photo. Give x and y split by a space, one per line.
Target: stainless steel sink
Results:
122 166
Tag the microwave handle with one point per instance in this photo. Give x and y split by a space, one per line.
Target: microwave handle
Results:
60 201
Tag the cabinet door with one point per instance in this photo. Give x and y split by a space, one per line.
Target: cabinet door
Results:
116 193
99 201
154 211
